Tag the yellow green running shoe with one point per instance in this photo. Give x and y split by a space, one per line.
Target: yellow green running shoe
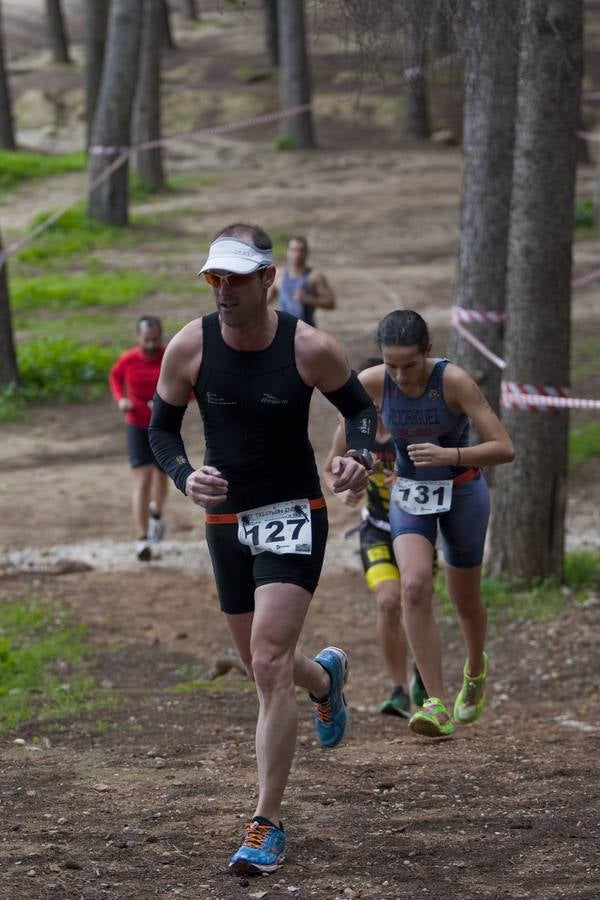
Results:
469 704
433 720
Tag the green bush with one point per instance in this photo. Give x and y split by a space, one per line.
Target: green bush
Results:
60 368
584 214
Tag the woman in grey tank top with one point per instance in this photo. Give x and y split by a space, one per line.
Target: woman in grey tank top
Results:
427 405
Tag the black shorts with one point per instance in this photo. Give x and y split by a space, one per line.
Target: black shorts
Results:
138 447
238 573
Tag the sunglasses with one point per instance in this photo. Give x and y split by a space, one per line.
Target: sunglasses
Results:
231 280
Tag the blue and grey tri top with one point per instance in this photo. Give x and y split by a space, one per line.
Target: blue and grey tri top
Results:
420 420
289 285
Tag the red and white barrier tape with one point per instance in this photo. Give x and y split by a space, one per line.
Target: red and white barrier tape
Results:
461 314
515 395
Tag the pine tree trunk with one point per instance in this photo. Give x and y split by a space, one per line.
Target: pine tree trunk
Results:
108 201
530 495
7 136
166 33
58 33
146 113
96 20
488 143
294 75
271 32
9 372
192 10
416 122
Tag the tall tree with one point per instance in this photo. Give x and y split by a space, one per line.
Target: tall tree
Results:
271 31
96 20
57 29
530 498
9 372
165 25
294 73
111 134
417 112
192 10
7 136
146 111
488 141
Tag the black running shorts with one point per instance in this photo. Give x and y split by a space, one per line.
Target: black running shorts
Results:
238 573
138 447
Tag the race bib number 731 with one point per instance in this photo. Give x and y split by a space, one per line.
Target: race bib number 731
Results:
420 498
277 528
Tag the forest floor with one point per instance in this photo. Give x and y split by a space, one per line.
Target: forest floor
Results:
147 798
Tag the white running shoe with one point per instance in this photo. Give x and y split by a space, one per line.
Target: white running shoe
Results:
156 529
143 551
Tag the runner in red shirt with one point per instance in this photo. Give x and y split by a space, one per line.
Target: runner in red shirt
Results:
133 380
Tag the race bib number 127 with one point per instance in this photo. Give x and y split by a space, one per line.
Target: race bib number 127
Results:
420 498
279 528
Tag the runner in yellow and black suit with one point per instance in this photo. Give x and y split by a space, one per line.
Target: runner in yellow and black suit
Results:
381 573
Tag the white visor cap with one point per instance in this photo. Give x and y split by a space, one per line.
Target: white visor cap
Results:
234 255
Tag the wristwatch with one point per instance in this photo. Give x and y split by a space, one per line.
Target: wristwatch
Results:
365 457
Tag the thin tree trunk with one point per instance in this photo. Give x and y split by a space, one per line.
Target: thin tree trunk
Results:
443 39
294 74
9 372
96 20
165 26
530 496
108 201
192 10
416 122
488 144
7 135
59 40
271 32
146 112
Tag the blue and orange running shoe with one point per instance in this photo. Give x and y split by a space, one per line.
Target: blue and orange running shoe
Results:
263 849
331 714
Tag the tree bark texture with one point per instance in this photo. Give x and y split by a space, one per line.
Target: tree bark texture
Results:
146 111
108 201
416 122
530 495
7 135
59 40
9 372
271 32
192 10
294 74
488 142
165 26
96 20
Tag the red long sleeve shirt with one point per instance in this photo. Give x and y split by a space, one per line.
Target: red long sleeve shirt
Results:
135 376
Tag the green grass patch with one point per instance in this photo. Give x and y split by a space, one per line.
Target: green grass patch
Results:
54 291
584 443
204 686
44 659
539 600
583 219
585 358
17 166
73 233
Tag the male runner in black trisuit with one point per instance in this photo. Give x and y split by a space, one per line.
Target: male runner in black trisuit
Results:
253 371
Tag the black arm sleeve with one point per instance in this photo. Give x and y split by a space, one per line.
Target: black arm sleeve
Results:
166 442
358 411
